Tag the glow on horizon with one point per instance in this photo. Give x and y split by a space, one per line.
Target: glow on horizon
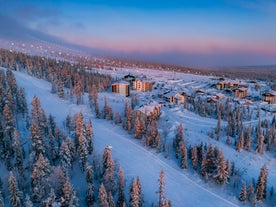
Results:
198 27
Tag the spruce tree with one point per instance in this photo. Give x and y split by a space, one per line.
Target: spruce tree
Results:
121 194
183 155
194 157
134 195
15 193
90 137
221 175
110 200
248 140
240 142
90 199
261 184
243 196
1 200
108 171
28 202
89 174
102 197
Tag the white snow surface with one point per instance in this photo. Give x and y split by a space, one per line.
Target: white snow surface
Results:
183 188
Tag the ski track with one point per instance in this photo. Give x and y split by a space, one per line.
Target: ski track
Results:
135 159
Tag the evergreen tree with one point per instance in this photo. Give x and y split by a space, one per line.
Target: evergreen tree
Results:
250 193
139 186
162 201
69 199
39 176
260 143
65 155
60 89
134 195
110 200
89 174
183 155
38 143
121 194
240 142
194 157
261 184
102 197
248 140
90 137
15 194
158 142
108 171
242 196
90 199
28 202
18 154
221 175
82 149
204 167
139 128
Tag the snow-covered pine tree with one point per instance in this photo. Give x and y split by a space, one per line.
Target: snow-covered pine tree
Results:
247 142
69 198
240 142
60 89
260 143
183 155
65 155
83 152
28 202
89 174
141 197
243 196
221 175
90 198
194 157
102 197
15 193
134 194
261 184
90 137
110 200
108 171
158 142
38 143
18 154
39 179
162 200
121 185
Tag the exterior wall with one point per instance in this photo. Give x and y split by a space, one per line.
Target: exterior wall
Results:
270 98
142 85
237 93
122 89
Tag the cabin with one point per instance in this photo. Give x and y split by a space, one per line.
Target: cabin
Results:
142 85
150 111
269 97
239 92
121 87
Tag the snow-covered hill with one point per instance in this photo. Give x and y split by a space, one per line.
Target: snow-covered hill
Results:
182 189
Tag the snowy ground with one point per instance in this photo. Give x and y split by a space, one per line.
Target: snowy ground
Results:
183 188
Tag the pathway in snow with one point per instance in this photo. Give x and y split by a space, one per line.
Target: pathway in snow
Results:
135 159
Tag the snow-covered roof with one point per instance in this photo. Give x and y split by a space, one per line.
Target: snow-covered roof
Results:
121 82
170 94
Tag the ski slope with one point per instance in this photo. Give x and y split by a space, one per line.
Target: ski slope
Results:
134 158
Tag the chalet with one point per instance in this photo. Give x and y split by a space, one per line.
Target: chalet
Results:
269 97
121 87
142 85
239 92
150 111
